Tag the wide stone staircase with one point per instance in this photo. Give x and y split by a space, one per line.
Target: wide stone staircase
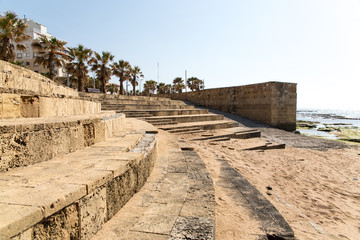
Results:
170 115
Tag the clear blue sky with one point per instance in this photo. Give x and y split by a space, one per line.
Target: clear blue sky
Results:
315 43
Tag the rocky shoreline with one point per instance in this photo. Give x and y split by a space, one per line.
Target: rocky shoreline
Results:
337 131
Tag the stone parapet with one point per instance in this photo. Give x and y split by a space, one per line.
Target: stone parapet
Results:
25 106
19 80
24 93
31 140
273 103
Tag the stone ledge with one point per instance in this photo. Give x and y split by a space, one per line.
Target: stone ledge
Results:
31 140
90 185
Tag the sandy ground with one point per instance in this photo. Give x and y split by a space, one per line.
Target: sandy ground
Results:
315 189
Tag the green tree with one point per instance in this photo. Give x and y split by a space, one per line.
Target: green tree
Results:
78 68
161 88
112 88
178 85
12 30
51 53
149 86
167 88
135 74
99 64
195 84
121 69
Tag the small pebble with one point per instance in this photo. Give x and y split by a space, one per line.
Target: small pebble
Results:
224 146
268 193
231 148
213 143
269 187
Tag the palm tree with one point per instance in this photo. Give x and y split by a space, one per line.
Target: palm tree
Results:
161 88
51 53
167 88
12 30
135 73
178 84
99 64
195 84
79 57
149 85
121 69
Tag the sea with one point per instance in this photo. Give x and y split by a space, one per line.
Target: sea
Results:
328 118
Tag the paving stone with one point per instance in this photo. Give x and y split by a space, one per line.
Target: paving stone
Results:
164 209
17 218
193 228
161 224
198 208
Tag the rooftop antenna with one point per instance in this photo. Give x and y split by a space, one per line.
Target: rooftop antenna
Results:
185 81
158 73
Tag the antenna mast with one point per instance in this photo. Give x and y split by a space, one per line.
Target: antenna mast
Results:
158 72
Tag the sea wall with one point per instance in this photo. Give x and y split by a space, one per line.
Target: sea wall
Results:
273 103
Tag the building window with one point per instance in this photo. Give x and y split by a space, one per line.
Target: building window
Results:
26 63
35 54
27 54
19 55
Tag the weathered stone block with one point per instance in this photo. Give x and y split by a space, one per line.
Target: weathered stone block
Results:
93 212
62 225
26 235
10 105
119 191
15 219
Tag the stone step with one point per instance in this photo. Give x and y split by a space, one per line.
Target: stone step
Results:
77 193
177 201
142 102
207 125
243 134
138 115
25 141
168 112
192 132
184 130
187 118
121 107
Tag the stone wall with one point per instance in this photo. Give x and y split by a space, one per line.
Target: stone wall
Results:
273 103
24 94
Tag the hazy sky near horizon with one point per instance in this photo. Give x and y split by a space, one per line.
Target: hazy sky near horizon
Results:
314 43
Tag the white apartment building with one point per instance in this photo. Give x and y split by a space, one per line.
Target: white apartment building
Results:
28 56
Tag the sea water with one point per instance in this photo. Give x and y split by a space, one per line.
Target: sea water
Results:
328 118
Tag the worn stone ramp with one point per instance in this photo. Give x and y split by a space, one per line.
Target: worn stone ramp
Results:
271 221
177 201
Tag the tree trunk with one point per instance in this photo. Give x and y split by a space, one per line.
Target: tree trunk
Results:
80 85
102 88
121 87
134 86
